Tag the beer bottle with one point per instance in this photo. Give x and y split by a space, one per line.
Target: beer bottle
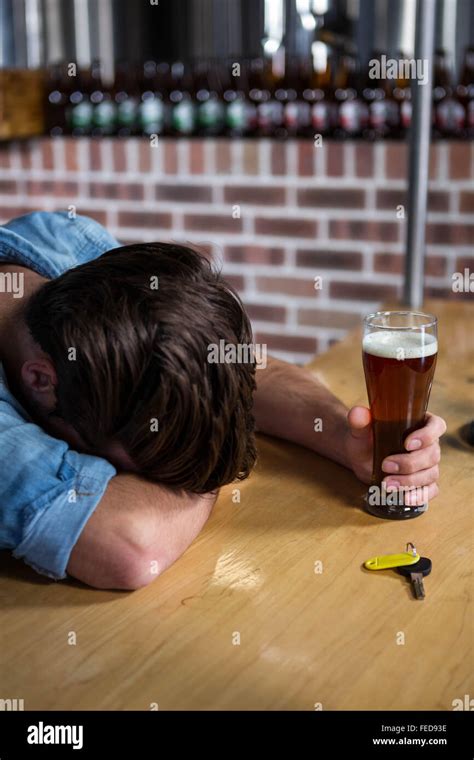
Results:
57 97
323 107
352 112
255 68
305 97
465 91
183 116
286 95
104 108
237 108
162 91
402 99
151 109
80 109
126 99
448 112
374 96
210 112
269 110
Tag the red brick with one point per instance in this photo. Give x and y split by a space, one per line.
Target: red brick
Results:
364 159
332 197
170 152
11 212
5 153
326 318
212 223
97 214
395 263
183 193
389 199
363 291
295 343
57 188
396 157
119 155
446 292
47 160
306 158
289 285
222 156
278 157
70 154
25 149
435 266
255 195
334 158
236 281
266 312
329 259
438 200
148 219
144 155
8 186
95 154
250 157
465 262
466 202
254 254
434 160
303 228
123 190
450 234
206 249
352 229
460 160
196 156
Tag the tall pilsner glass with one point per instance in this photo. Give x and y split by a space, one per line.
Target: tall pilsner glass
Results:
399 350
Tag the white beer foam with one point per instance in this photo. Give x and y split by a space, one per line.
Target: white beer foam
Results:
400 344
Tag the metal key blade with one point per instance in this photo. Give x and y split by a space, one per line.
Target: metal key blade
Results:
417 585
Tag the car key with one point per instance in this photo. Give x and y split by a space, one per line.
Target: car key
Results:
416 574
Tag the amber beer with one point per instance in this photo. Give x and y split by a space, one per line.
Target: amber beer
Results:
399 356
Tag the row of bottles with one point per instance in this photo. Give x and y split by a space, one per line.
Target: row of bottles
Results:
320 96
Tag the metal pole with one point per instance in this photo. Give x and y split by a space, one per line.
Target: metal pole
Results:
418 161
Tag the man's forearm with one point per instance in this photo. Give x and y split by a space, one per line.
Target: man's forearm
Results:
288 403
136 532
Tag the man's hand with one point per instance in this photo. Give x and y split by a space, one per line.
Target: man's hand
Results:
417 468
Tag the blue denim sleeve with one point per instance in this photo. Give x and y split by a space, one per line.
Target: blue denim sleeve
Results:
51 242
47 491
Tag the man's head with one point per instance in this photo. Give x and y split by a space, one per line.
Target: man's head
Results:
124 340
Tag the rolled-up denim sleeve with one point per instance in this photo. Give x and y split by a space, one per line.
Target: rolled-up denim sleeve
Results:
47 491
52 525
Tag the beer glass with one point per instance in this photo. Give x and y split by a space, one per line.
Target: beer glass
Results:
399 350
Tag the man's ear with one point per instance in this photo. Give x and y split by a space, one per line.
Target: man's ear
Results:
39 381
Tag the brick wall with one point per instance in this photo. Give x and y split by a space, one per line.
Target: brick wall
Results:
274 215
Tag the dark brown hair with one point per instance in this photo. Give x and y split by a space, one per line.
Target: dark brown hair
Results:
142 356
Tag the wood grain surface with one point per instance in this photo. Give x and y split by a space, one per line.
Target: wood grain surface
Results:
329 638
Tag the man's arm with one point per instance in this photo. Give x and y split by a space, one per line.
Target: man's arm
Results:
137 531
287 402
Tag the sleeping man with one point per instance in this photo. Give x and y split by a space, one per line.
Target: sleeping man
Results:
116 427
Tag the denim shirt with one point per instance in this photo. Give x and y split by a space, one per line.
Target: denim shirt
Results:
47 491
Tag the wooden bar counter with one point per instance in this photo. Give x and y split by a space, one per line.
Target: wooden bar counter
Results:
271 608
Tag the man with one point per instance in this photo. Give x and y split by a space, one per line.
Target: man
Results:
116 431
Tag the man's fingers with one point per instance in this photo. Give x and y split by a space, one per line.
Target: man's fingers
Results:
420 496
407 464
434 428
421 478
359 420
